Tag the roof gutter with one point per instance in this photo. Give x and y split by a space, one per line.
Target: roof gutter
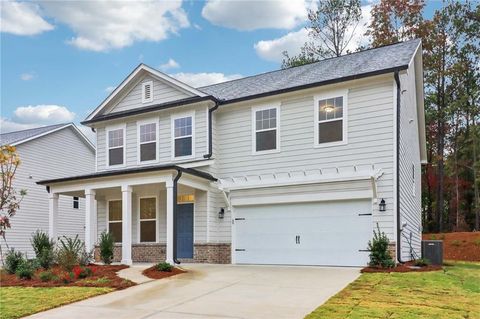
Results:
210 130
175 210
397 167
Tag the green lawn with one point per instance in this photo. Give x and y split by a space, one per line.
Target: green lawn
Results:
16 302
453 293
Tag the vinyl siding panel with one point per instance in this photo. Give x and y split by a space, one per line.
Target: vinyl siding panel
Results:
54 155
410 188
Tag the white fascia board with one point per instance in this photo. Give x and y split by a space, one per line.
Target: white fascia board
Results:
152 71
226 185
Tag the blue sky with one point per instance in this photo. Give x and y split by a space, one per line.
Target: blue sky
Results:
59 60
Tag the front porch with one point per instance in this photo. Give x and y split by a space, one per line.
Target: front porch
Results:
162 215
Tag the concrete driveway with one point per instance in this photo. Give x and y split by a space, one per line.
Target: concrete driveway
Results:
218 291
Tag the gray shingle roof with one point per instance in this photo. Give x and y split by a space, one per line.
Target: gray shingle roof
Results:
347 66
18 136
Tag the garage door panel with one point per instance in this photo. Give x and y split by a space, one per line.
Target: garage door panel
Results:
329 233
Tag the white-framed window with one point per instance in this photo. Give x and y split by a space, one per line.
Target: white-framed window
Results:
147 92
147 219
330 113
116 145
76 202
147 132
183 136
114 219
266 133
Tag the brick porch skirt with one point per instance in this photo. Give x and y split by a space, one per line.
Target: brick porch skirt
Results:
154 253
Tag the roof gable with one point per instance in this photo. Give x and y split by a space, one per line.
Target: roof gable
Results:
128 94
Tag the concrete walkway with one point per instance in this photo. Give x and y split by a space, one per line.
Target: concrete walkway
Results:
218 291
134 273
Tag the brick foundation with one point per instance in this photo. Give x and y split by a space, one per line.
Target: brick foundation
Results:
154 253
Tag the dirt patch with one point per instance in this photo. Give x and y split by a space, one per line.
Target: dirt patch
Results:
153 273
103 276
406 267
458 246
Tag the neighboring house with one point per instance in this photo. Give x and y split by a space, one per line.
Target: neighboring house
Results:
46 152
285 167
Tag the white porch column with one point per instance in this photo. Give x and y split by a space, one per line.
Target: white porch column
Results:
169 257
126 225
52 215
90 220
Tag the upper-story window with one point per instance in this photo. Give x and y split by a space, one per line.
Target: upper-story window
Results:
147 140
147 92
116 146
330 128
183 135
266 124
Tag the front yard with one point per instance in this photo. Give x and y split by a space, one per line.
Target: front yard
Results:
450 293
16 302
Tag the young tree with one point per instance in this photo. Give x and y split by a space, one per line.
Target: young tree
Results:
332 27
9 199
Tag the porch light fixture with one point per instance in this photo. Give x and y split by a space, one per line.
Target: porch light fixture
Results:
221 213
382 206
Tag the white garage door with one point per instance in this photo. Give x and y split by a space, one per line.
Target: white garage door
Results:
324 233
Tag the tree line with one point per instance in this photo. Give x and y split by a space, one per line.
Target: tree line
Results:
451 62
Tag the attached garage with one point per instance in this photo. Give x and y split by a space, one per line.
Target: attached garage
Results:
330 233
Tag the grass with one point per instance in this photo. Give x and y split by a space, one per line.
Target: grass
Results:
16 302
449 294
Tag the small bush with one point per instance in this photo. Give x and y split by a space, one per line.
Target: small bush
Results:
46 276
12 260
422 262
476 242
82 272
85 257
69 253
164 266
106 247
456 243
378 246
43 247
433 237
25 269
66 259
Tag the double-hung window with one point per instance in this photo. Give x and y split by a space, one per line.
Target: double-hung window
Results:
330 121
266 123
148 219
147 140
116 146
183 129
115 219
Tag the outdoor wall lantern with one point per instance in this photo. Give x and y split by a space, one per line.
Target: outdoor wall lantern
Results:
221 213
382 206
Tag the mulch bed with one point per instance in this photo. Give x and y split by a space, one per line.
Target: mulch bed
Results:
103 276
406 267
153 273
458 246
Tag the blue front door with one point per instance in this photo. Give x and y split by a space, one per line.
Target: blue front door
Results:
185 231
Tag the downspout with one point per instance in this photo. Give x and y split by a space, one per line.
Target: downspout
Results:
210 131
175 209
397 169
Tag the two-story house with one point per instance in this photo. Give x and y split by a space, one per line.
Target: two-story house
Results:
295 166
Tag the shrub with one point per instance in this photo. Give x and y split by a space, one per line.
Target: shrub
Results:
106 247
12 260
46 276
43 247
66 259
378 246
456 243
421 262
82 272
68 255
476 242
25 269
164 266
85 257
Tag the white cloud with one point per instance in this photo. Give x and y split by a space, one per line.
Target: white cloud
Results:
106 25
202 79
171 64
109 89
250 15
292 42
22 18
43 114
27 76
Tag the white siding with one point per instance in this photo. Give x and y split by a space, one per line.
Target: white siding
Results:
370 140
410 193
162 93
55 155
